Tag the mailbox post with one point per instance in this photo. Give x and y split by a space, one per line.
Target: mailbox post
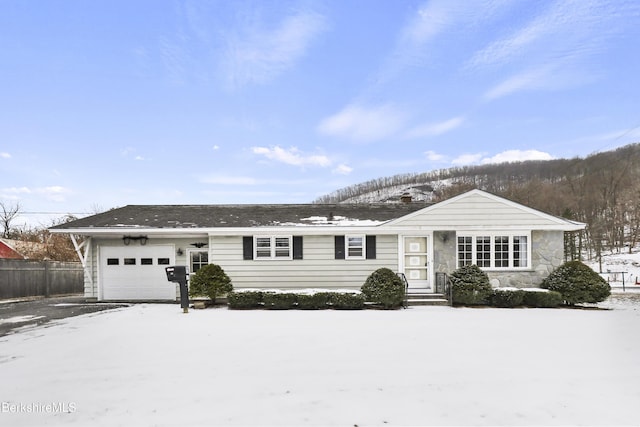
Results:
180 274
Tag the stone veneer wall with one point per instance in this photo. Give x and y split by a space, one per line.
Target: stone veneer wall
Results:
547 254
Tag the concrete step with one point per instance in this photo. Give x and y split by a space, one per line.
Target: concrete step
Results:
425 298
428 301
424 295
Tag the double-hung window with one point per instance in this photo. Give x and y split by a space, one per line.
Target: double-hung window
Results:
355 247
497 251
272 247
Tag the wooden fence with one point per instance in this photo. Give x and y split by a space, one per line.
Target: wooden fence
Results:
23 278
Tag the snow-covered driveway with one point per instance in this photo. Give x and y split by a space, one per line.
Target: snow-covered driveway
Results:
152 365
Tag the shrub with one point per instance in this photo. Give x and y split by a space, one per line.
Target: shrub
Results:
542 299
577 283
506 298
315 301
470 286
345 301
243 300
279 301
385 288
210 281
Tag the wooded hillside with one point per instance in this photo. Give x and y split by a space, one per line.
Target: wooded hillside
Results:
602 190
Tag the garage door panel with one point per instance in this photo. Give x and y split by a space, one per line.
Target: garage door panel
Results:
136 273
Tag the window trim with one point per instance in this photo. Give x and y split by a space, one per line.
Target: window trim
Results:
492 250
190 259
272 248
363 248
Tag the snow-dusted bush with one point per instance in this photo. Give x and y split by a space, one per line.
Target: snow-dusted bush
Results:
279 301
507 297
385 288
210 281
577 283
470 286
345 301
544 299
245 299
315 301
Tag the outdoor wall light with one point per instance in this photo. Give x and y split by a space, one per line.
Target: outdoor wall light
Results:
180 252
199 245
127 239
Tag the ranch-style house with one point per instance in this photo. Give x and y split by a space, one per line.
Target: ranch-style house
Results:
124 251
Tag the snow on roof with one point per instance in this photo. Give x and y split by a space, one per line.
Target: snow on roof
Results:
208 216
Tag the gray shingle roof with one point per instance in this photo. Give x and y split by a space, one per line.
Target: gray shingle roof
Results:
208 216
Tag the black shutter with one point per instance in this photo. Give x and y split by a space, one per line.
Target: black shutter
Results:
371 247
247 247
339 247
297 247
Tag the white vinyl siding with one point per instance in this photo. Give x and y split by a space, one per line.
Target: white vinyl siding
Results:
477 211
318 268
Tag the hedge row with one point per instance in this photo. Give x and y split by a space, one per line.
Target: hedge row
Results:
302 301
508 298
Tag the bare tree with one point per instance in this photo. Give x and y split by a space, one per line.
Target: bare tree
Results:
7 215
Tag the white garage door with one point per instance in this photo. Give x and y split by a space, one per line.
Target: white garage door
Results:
136 272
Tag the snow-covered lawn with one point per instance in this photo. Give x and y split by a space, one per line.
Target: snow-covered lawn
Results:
152 365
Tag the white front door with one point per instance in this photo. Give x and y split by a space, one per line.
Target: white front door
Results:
415 258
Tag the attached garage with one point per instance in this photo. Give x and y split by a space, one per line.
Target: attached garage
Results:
136 273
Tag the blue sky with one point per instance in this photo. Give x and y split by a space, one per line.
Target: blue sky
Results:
111 102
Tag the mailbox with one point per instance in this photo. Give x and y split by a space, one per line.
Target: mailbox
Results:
177 273
180 274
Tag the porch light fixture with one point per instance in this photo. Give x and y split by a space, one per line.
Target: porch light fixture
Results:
127 239
180 252
199 245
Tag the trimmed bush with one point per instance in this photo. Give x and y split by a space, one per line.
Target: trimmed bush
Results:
210 281
344 301
470 286
507 298
316 301
385 288
577 283
244 300
279 301
539 299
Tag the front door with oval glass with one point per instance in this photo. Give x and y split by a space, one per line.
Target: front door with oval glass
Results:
416 262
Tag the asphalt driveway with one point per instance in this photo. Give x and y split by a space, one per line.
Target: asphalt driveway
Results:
18 314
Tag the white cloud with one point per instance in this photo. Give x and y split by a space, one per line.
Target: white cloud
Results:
517 156
55 193
531 79
505 156
5 192
4 155
342 169
364 123
565 28
433 156
216 147
259 55
554 50
435 129
467 159
292 156
428 22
